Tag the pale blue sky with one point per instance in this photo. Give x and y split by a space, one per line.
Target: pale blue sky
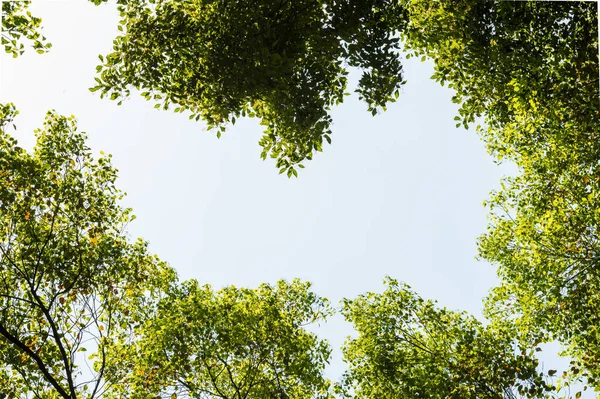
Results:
398 194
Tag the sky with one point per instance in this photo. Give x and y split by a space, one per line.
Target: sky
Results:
398 194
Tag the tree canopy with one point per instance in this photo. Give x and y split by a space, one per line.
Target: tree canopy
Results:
70 279
73 284
408 347
531 70
525 72
230 344
282 62
544 238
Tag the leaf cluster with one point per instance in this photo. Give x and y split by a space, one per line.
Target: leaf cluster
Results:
279 61
19 24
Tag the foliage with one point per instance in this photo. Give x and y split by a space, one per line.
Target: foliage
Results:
229 344
69 277
407 347
18 23
531 68
280 61
544 238
70 280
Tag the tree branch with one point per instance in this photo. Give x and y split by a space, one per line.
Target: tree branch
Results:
41 365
